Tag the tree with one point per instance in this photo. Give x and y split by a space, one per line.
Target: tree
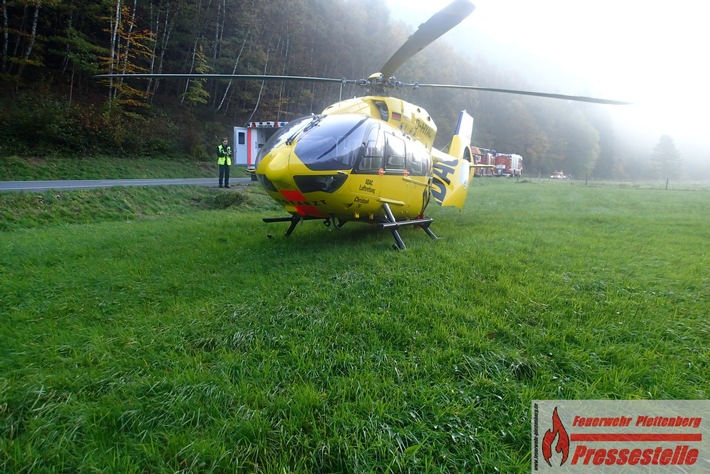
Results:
665 158
582 145
21 23
130 52
196 92
80 55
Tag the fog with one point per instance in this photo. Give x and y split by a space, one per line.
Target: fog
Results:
651 53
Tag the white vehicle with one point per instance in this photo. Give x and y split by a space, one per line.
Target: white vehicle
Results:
249 140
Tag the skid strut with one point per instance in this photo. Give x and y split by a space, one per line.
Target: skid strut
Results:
393 226
294 220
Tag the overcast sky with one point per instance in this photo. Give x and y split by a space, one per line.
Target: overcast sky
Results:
652 53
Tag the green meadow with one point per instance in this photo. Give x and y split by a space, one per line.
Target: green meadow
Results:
161 330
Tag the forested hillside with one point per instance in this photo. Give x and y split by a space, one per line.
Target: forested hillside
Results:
52 104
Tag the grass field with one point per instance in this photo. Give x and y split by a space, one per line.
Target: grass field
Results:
166 333
15 168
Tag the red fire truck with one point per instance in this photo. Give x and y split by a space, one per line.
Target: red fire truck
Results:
508 164
483 160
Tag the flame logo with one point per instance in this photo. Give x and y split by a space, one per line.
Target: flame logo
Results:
558 431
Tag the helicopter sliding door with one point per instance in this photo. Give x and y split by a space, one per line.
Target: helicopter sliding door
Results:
405 179
391 169
365 179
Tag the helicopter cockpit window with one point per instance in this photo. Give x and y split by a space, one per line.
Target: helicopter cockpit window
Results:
334 143
394 153
284 134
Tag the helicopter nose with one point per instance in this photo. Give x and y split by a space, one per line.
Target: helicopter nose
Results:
273 171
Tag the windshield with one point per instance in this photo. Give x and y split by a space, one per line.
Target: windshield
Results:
334 142
283 135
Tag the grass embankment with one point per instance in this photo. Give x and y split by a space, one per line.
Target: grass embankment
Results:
13 168
191 342
27 210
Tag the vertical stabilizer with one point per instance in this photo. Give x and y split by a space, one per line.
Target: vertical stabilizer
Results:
452 171
462 137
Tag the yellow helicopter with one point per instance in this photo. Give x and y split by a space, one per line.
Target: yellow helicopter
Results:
370 159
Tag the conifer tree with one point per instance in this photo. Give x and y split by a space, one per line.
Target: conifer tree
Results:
665 159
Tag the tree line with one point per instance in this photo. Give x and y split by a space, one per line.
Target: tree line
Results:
52 103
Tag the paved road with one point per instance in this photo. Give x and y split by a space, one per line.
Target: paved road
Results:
38 186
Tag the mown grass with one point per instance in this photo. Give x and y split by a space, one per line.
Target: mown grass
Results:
189 341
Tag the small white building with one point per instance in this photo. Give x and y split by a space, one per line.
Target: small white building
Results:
249 140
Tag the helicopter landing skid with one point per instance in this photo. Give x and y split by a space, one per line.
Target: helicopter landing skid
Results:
294 220
393 226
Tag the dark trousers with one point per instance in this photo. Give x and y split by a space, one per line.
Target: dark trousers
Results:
224 175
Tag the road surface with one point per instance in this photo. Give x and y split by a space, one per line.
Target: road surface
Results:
39 186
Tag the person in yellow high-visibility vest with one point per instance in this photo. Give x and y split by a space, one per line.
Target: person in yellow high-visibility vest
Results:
224 160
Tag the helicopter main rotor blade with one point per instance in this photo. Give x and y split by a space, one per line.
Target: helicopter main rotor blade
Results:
427 33
577 98
259 77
